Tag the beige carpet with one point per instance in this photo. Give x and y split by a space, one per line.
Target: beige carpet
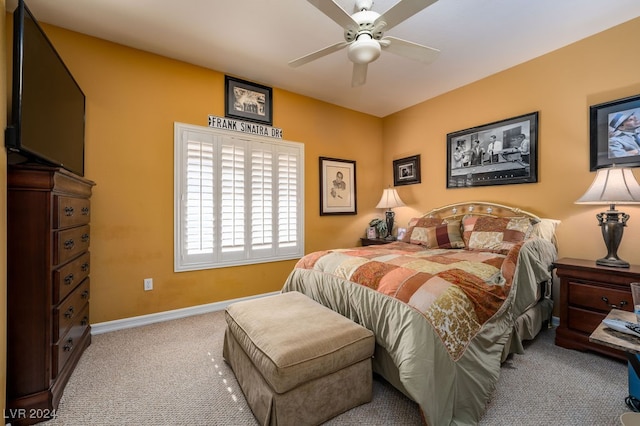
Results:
172 373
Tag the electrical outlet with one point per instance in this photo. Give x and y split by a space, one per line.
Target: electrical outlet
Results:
148 284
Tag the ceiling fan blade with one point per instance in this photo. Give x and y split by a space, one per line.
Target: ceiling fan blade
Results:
335 12
399 12
318 54
408 49
359 75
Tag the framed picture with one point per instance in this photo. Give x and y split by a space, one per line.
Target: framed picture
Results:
406 171
371 233
337 186
244 100
401 233
500 153
613 133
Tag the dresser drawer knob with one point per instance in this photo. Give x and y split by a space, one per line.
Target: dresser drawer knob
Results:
69 312
85 211
85 267
68 211
85 294
85 321
68 280
614 306
68 245
85 238
69 346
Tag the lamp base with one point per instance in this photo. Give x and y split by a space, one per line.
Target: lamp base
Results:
612 262
390 215
612 223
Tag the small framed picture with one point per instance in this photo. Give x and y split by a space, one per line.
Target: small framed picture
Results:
406 171
244 100
401 233
371 233
613 136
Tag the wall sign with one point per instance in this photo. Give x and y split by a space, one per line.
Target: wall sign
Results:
244 127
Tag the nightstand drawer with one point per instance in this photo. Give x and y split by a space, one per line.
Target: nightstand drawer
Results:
583 320
598 297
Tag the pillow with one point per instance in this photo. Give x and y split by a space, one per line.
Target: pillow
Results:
546 229
496 234
444 236
420 222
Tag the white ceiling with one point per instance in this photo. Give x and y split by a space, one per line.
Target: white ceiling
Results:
255 39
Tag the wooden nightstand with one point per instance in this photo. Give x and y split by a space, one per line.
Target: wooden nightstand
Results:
588 292
375 241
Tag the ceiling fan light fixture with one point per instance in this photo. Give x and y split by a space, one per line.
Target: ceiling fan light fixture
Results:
364 34
364 50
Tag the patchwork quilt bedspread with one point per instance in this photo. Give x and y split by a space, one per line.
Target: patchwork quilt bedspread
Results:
441 317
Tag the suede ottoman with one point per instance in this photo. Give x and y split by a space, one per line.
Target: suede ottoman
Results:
297 362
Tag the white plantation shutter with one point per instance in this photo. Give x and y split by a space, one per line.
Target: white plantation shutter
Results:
288 193
232 203
262 200
238 199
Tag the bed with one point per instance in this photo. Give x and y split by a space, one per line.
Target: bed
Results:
465 287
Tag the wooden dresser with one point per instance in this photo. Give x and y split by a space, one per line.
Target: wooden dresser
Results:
588 292
48 263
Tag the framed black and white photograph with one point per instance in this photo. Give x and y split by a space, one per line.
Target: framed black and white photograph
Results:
245 100
499 153
406 171
337 186
371 233
614 137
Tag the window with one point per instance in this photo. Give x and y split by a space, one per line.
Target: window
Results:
238 198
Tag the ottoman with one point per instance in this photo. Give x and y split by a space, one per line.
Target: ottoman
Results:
297 362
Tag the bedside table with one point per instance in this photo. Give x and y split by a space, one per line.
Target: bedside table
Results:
377 241
588 293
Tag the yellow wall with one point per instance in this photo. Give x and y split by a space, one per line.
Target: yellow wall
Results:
561 86
133 100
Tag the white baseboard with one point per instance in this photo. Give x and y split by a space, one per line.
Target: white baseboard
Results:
121 324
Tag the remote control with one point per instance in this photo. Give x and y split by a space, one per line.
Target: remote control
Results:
623 326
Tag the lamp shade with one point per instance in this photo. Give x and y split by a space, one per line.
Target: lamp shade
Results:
612 186
390 199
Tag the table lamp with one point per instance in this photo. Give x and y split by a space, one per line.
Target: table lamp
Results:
612 186
389 200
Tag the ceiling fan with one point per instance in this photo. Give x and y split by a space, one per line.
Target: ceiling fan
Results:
364 35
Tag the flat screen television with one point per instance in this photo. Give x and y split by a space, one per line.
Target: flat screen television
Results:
48 107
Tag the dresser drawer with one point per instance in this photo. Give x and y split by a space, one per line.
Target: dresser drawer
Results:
70 243
598 297
66 278
70 211
67 312
65 347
